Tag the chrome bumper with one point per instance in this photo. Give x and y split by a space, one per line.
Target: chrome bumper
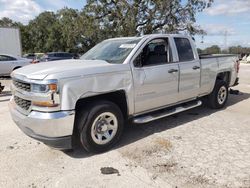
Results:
51 128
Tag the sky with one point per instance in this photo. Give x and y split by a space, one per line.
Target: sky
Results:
227 22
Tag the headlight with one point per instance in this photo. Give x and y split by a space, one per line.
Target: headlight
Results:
39 88
43 88
50 91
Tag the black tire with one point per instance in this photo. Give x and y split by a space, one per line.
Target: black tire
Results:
214 101
86 117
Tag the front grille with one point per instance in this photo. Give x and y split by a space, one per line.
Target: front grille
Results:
24 104
21 85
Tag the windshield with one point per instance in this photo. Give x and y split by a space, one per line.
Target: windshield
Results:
112 51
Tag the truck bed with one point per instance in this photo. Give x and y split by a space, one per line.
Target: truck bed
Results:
212 65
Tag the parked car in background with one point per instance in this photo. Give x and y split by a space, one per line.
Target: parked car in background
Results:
30 56
248 59
1 88
35 57
245 59
53 56
9 63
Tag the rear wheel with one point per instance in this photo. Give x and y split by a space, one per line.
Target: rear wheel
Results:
100 126
218 98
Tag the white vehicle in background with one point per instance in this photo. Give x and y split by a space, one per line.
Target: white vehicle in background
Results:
9 63
245 59
10 41
248 59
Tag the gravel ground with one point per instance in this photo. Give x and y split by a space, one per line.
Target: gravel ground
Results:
197 148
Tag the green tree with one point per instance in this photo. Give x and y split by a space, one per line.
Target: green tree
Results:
88 32
39 32
238 50
77 31
25 38
67 22
66 30
7 22
215 49
200 51
129 17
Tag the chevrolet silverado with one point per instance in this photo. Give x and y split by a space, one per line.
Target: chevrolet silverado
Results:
141 79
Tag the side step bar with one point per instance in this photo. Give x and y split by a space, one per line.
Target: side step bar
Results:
166 112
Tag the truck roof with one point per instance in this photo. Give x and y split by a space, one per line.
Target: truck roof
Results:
150 35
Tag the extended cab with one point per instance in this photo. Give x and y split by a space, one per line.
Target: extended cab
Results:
139 78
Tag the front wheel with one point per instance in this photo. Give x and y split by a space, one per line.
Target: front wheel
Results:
218 98
100 126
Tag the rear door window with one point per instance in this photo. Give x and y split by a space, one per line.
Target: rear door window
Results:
185 51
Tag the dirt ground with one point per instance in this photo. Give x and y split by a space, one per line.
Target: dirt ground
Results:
197 148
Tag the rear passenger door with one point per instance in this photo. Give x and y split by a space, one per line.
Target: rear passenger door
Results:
189 65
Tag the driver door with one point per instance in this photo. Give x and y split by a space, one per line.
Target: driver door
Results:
156 79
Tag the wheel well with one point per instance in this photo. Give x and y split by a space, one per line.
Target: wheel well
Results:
225 76
117 97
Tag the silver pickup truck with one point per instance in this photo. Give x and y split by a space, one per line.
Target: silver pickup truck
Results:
141 79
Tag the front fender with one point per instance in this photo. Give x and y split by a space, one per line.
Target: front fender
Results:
77 88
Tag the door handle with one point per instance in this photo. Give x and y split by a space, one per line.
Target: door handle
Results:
196 67
172 70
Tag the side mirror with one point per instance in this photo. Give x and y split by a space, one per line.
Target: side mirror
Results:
138 61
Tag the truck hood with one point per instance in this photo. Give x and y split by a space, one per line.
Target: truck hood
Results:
67 68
